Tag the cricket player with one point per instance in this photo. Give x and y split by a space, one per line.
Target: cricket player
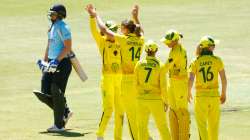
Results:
131 42
54 80
151 87
205 70
176 66
111 78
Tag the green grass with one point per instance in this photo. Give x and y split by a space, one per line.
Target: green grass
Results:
23 39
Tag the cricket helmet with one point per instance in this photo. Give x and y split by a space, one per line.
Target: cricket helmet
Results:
150 45
207 41
171 35
59 10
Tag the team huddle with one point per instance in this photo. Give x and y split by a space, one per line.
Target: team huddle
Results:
136 87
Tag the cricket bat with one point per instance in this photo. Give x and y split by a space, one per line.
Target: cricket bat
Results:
76 65
74 61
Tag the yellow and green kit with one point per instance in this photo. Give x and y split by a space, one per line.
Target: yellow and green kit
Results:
131 49
110 82
207 99
151 87
177 93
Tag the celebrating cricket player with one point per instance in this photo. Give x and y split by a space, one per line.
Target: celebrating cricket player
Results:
151 86
111 78
177 92
205 70
131 42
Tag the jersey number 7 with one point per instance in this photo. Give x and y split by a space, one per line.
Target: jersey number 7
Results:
148 75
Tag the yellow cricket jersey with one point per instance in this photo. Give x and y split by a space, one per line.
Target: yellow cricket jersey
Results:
150 78
110 51
206 69
177 63
131 49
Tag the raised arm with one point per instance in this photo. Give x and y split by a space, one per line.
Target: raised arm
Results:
224 86
91 10
135 16
94 31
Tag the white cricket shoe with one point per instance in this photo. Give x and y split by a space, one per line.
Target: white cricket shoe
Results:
55 129
100 138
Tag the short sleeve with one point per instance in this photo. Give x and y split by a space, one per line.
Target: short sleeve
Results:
66 34
220 65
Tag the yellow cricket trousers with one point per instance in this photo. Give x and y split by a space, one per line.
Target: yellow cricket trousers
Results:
207 115
128 96
111 92
145 107
177 94
179 118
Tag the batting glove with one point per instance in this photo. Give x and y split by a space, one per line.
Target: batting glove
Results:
53 65
43 66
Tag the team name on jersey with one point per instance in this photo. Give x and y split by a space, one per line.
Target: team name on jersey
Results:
149 65
133 43
204 63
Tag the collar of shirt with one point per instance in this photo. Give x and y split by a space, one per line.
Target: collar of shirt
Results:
131 35
176 47
58 22
150 57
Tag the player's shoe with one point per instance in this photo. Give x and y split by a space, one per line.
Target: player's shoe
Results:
55 129
150 138
67 116
100 138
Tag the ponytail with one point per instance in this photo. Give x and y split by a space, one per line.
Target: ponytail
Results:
206 51
198 51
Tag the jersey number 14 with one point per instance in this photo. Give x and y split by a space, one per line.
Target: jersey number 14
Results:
135 53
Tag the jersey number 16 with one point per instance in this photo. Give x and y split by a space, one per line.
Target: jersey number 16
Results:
207 74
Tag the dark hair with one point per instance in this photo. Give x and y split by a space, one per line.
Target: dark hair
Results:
206 51
132 27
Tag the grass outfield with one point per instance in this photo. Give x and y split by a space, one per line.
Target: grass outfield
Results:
23 27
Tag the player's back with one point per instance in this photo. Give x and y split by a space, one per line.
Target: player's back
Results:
148 76
206 69
131 49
